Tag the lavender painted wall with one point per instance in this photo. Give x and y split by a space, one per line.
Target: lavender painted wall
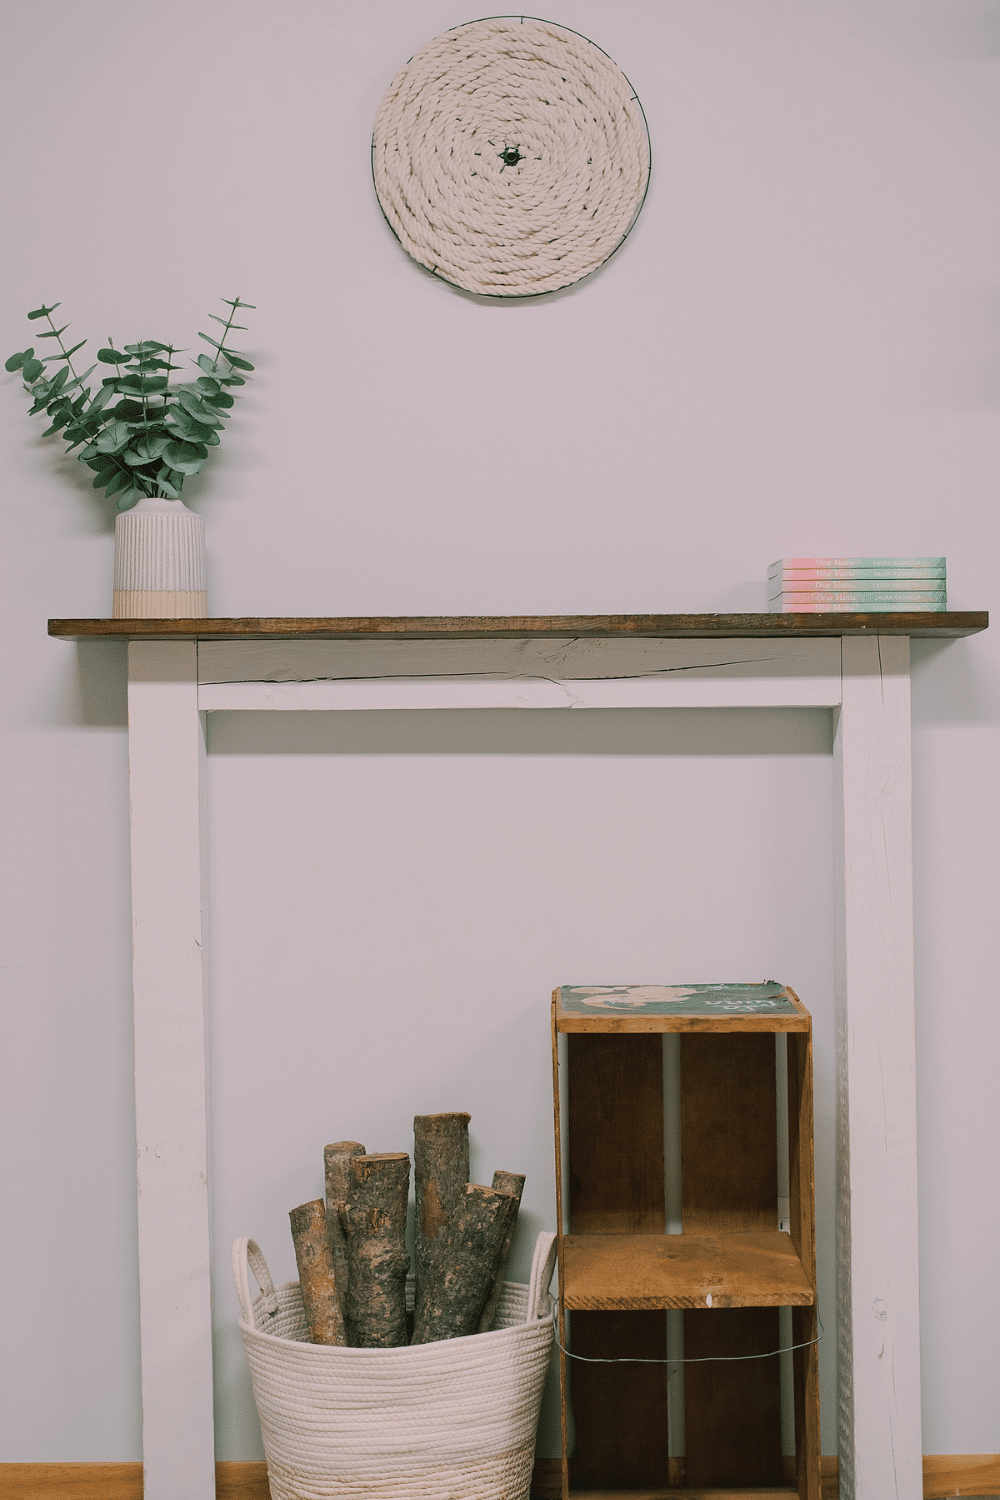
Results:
797 352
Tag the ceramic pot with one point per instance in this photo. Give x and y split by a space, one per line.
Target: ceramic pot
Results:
159 562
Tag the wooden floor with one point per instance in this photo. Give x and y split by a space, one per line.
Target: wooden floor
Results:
976 1476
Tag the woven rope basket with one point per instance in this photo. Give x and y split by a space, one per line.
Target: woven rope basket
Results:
510 156
454 1420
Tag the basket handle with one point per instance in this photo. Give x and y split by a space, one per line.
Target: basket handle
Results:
247 1257
543 1263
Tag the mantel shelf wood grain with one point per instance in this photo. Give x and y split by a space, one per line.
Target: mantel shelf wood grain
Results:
477 627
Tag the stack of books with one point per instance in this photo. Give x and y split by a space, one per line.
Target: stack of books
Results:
802 585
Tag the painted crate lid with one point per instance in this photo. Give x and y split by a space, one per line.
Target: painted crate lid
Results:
638 1001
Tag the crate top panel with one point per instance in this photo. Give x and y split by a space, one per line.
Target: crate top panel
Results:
750 1006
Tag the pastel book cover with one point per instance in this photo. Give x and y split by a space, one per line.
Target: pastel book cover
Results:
862 600
857 585
936 575
859 562
797 607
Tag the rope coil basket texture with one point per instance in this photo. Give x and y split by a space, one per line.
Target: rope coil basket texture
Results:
510 156
421 1422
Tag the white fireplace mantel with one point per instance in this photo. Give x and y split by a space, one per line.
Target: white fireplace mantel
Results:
858 665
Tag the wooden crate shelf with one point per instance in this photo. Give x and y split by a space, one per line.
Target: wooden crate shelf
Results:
683 1270
738 1255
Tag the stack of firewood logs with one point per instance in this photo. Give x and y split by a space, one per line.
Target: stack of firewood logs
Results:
351 1247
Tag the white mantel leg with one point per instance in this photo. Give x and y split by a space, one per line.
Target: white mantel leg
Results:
166 776
879 1336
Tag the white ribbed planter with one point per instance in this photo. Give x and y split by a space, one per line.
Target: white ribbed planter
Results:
159 562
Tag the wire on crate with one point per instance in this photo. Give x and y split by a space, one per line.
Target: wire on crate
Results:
703 1360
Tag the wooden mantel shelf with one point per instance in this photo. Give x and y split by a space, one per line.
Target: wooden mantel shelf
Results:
475 627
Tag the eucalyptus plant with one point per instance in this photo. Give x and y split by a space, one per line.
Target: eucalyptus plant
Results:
149 439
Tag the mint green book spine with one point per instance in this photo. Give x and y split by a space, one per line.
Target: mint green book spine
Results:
864 564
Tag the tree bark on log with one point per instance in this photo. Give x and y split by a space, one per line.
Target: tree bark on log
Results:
316 1274
512 1183
336 1164
441 1173
377 1262
463 1269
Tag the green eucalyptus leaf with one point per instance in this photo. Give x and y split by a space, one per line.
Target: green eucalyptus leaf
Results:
206 363
115 437
111 357
222 400
32 369
43 312
241 327
53 333
195 407
192 431
240 364
118 481
153 385
126 501
128 411
232 379
146 450
102 398
66 353
78 379
237 303
188 458
211 341
206 386
17 360
162 480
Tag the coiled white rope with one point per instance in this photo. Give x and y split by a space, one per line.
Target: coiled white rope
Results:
510 156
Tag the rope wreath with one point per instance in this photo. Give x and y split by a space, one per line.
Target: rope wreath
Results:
510 156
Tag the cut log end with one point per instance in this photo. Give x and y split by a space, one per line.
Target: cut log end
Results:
336 1164
512 1183
463 1272
317 1280
375 1221
441 1172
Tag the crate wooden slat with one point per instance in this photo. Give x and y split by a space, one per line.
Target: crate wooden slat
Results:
683 1270
578 1012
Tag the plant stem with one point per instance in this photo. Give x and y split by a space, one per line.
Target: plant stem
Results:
48 319
225 331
